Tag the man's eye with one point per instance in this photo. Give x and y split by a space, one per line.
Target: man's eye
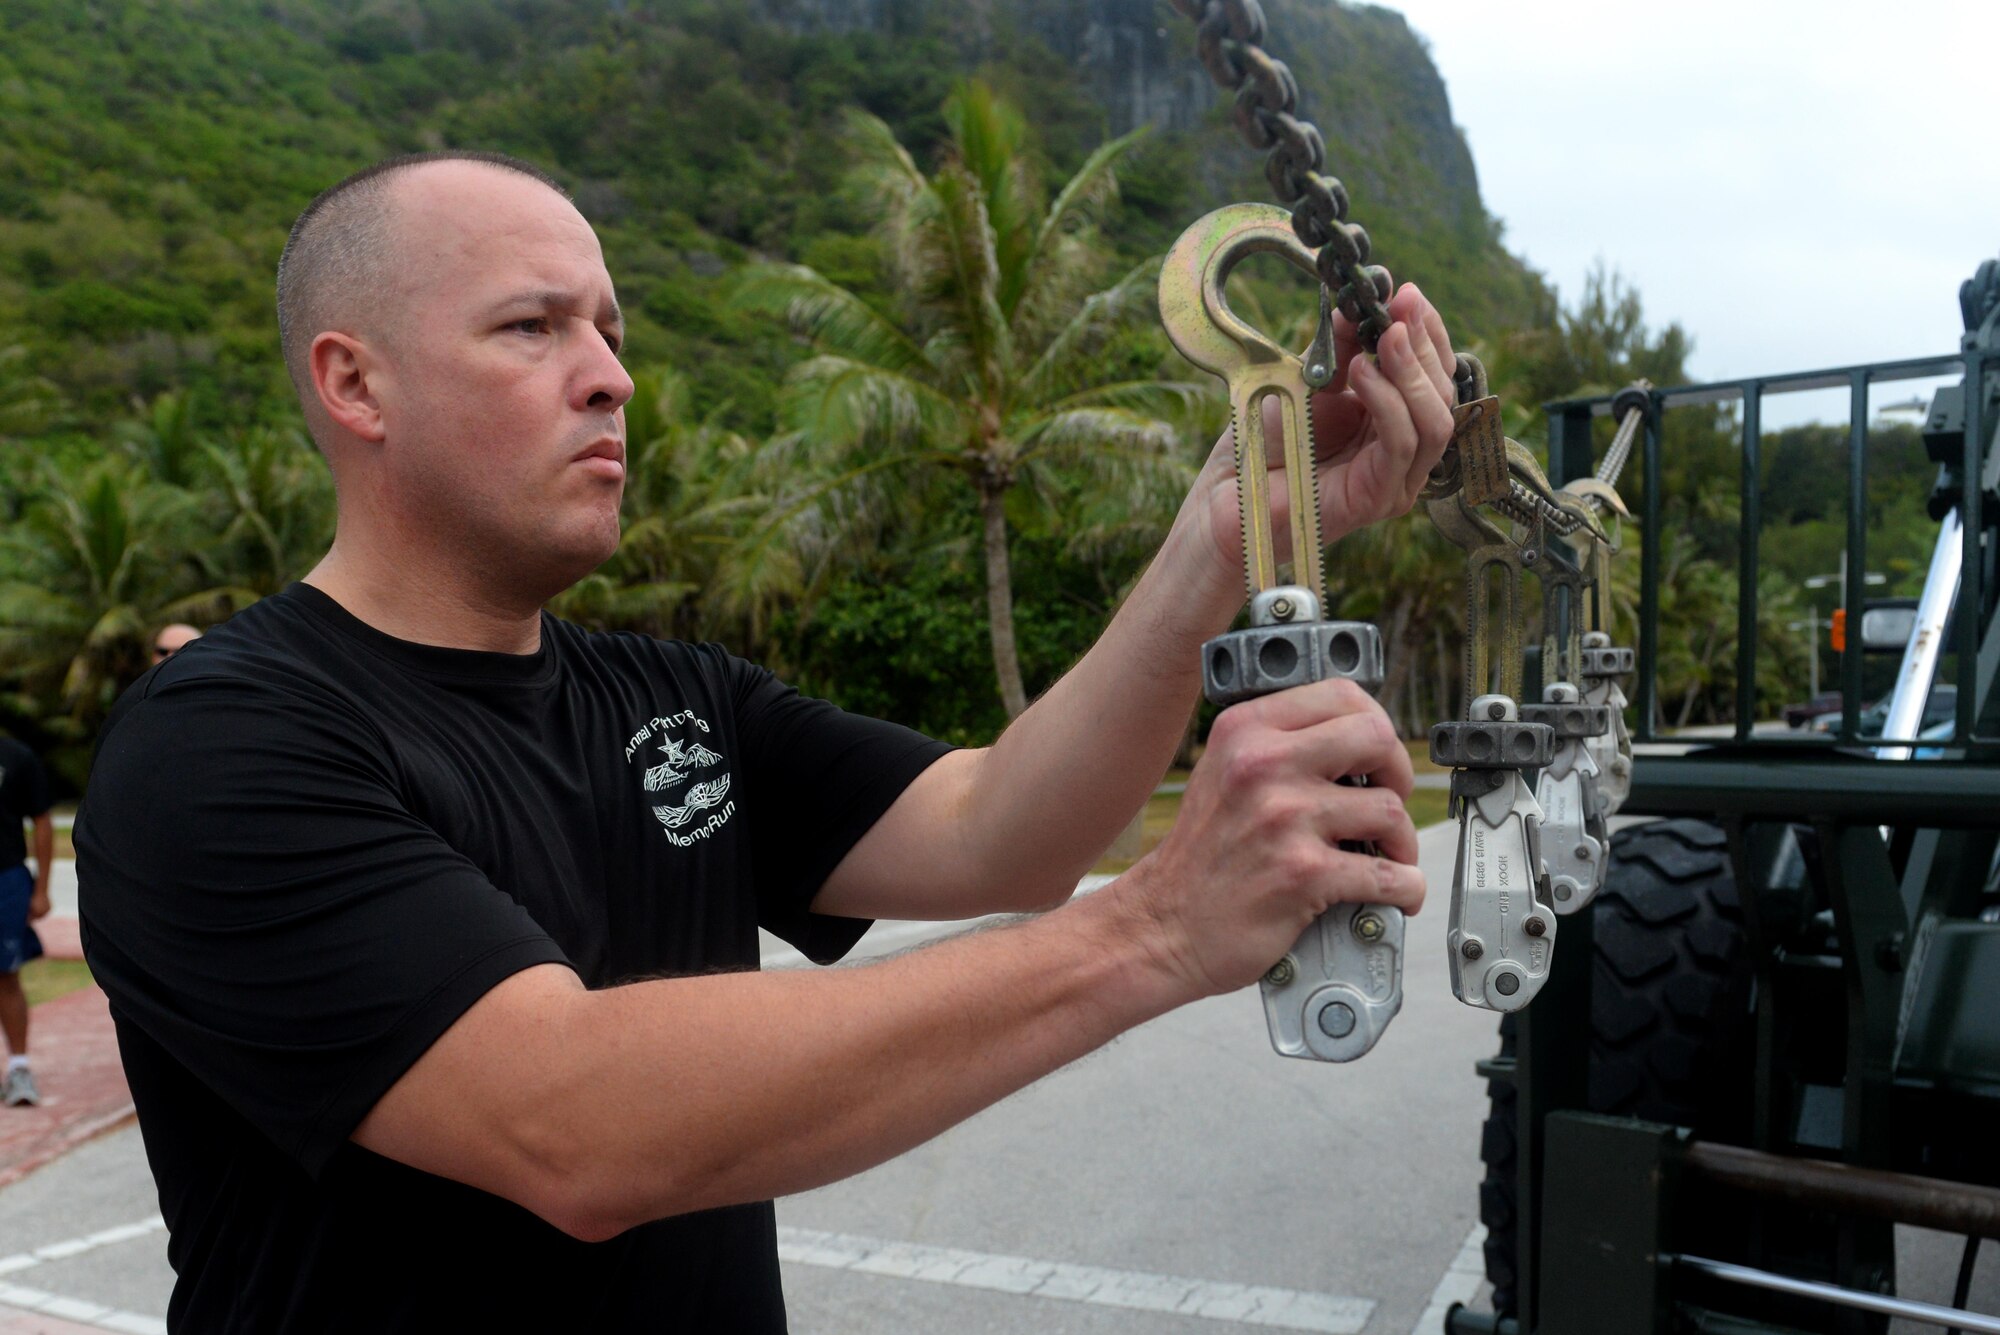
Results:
533 325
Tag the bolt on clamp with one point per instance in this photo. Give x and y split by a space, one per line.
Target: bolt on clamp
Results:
1333 995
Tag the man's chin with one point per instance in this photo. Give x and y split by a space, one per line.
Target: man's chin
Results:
581 551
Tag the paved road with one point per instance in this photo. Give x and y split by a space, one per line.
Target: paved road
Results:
1188 1149
1184 1151
1184 1167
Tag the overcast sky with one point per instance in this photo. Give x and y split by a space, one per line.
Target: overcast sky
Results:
1798 184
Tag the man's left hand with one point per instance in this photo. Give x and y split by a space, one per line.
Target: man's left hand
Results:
38 905
1378 430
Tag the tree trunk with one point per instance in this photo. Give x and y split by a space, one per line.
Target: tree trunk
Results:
1000 601
1446 677
1687 704
1397 677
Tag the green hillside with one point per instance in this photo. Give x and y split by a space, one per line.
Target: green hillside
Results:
154 152
153 155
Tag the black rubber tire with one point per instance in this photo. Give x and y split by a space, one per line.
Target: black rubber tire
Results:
1670 1016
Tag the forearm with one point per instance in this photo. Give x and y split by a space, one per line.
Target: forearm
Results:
45 853
1058 785
701 1092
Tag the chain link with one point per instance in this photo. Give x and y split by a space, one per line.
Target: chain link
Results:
1229 37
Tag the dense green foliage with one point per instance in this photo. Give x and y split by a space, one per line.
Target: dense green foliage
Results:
153 464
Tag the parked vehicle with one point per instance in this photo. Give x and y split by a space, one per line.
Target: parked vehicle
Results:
1811 711
1941 707
1776 1034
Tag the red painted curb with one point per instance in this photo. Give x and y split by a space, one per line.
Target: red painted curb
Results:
82 1081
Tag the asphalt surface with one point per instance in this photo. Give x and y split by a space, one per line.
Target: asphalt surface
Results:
1184 1166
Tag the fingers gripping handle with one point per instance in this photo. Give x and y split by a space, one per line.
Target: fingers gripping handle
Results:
1332 996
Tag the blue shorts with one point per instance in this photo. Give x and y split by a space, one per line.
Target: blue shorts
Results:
18 942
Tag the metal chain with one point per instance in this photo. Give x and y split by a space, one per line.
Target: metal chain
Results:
1230 40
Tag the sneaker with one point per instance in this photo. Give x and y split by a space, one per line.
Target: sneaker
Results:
20 1088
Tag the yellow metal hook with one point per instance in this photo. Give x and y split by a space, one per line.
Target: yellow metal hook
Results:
1198 320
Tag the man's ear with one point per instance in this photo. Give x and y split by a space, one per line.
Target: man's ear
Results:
343 373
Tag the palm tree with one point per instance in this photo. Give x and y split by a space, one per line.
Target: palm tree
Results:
100 558
985 366
165 439
277 496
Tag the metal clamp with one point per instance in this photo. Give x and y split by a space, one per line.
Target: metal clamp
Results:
1573 833
1332 996
1502 928
1611 751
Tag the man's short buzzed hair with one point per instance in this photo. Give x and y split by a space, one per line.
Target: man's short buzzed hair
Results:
341 242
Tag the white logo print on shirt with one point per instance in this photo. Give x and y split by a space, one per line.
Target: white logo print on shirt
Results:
674 777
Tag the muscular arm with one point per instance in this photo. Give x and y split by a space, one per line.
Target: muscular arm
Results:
599 1110
1012 827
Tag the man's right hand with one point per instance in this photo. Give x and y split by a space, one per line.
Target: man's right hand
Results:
1255 855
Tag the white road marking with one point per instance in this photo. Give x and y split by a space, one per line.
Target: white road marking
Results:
1243 1304
775 954
76 1309
83 1313
1460 1284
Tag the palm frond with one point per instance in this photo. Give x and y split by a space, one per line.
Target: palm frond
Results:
843 404
883 171
1062 365
1094 185
1082 433
989 137
829 315
1169 400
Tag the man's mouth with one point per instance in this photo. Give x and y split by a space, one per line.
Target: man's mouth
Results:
604 457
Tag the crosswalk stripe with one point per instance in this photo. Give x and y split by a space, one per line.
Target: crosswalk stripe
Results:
1135 1290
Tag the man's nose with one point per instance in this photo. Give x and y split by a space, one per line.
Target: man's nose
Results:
603 385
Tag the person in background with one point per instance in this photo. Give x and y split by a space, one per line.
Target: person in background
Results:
170 640
24 897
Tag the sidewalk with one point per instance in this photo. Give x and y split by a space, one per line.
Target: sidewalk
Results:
83 1086
76 1064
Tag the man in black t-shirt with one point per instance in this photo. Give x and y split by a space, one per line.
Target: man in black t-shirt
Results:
429 921
24 897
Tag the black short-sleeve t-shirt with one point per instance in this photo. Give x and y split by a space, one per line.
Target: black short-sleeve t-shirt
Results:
308 847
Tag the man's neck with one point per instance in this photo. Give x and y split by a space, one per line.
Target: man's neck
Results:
427 608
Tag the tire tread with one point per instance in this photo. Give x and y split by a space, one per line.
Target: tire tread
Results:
1670 1011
